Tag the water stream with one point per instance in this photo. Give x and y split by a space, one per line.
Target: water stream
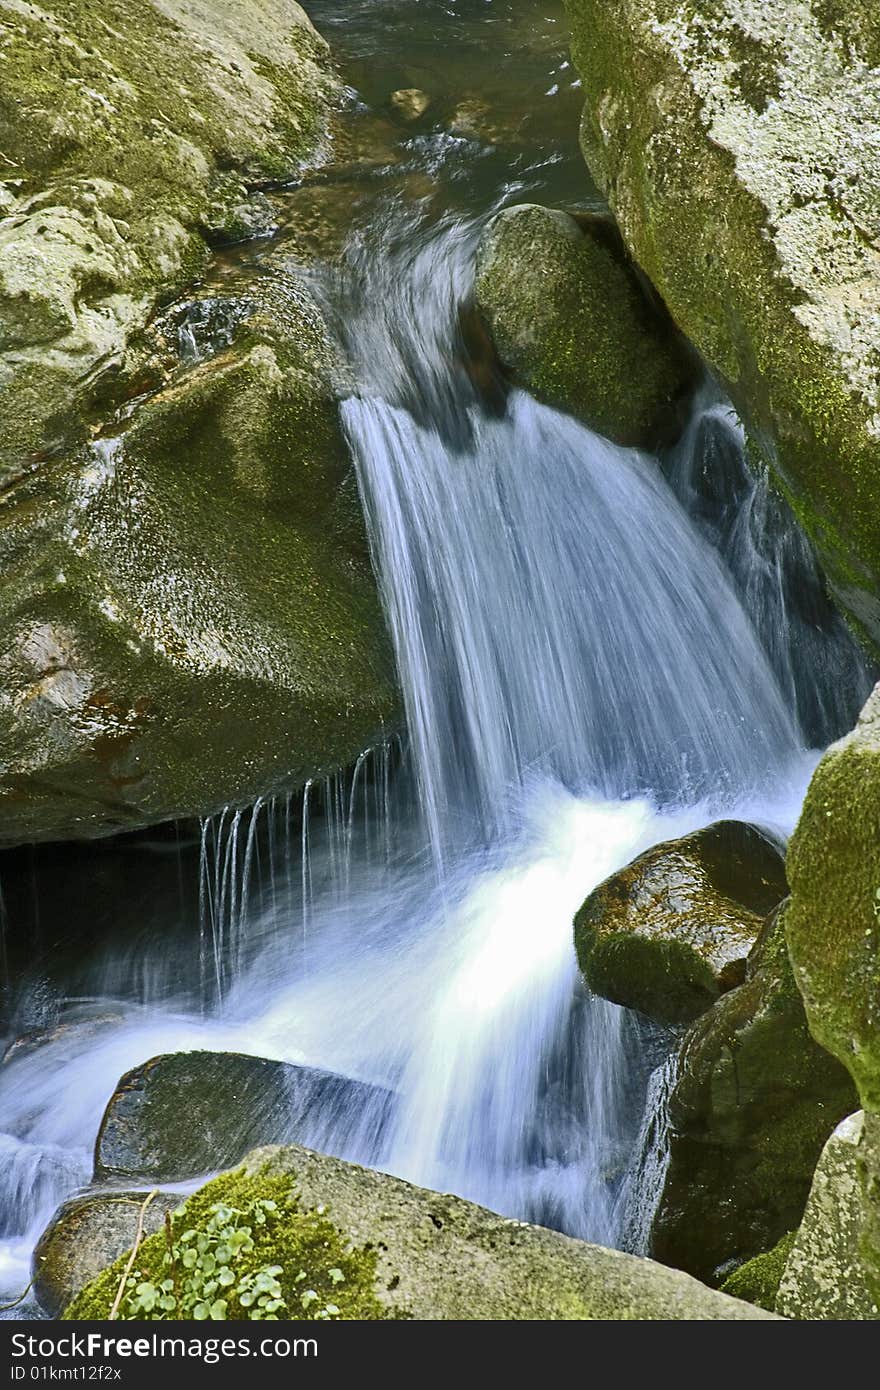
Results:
598 650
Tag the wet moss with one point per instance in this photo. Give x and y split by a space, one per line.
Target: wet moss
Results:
320 1273
757 1281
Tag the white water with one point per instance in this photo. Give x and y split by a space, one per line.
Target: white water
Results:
581 681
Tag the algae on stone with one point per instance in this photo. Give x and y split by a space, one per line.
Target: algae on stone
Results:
573 324
132 136
739 147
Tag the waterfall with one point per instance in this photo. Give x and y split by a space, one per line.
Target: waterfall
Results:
582 680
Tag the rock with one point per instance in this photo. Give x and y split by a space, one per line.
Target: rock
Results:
86 1235
410 103
419 1254
833 932
572 323
833 922
671 931
824 1275
184 1114
206 560
737 146
134 132
754 1101
757 1281
180 534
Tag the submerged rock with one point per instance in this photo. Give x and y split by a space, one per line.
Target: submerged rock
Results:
574 324
824 1275
414 1253
410 102
671 931
754 1101
737 146
184 1114
85 1236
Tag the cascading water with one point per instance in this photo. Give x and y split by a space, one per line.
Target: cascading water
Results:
583 677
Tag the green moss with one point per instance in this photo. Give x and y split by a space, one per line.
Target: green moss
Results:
571 321
833 922
307 1267
757 1280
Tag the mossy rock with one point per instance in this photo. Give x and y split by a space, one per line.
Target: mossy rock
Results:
407 1252
831 1268
85 1236
754 1101
134 136
757 1281
189 617
184 1114
574 324
671 932
833 922
241 1248
730 140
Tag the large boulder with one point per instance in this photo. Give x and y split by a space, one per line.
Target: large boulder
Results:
203 561
824 1275
573 323
133 133
833 921
754 1101
184 1114
86 1235
671 932
833 932
403 1251
737 146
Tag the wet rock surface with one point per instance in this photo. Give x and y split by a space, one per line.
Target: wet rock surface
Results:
754 1101
671 932
184 1114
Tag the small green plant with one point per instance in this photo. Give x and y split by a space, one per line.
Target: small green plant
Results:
241 1247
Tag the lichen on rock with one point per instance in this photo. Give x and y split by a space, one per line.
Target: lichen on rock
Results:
739 147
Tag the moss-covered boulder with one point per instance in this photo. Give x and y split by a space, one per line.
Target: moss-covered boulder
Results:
825 1274
573 323
133 135
184 1114
833 932
833 922
346 1242
86 1235
188 612
671 931
754 1101
736 144
188 616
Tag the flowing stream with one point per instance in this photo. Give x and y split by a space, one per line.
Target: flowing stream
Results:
598 651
